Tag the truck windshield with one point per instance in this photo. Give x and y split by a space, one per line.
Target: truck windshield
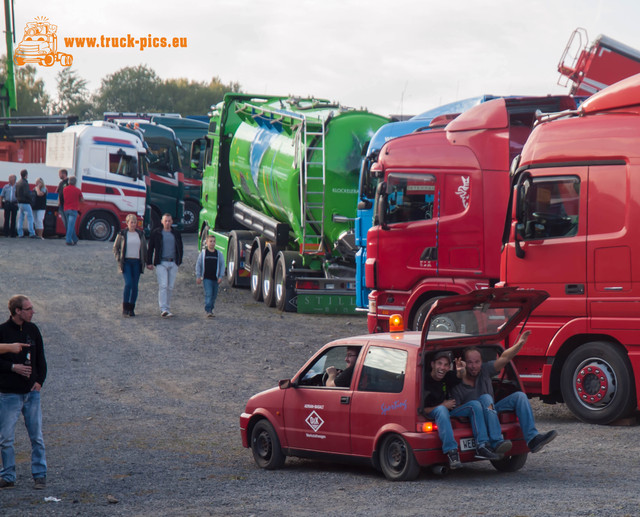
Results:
163 158
410 197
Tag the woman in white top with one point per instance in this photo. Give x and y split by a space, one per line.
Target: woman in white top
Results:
130 250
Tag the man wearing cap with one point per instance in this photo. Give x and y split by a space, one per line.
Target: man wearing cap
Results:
439 404
476 385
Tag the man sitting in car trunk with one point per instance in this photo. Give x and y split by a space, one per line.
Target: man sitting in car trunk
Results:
440 405
476 385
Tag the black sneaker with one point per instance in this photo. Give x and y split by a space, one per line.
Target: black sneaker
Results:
540 440
484 453
6 484
40 483
503 447
454 459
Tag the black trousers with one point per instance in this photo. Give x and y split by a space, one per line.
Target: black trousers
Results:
10 214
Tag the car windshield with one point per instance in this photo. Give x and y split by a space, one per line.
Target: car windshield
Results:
482 320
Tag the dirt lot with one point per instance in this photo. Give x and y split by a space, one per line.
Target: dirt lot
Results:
141 415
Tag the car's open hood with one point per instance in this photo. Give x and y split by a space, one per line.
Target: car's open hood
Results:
480 317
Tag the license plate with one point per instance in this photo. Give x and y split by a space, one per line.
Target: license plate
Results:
467 444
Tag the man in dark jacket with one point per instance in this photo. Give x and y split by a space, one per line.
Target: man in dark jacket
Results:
165 253
23 193
21 377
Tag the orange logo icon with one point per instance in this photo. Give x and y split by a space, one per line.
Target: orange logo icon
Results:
40 45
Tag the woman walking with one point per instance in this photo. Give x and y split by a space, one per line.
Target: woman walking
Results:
130 250
39 207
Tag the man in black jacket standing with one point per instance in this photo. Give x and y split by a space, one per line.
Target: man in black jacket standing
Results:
21 378
165 253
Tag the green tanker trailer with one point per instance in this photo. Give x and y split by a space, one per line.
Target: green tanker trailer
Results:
279 192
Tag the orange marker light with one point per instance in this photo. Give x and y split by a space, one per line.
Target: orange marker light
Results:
396 323
426 427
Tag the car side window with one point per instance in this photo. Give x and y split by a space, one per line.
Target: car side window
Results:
383 370
315 374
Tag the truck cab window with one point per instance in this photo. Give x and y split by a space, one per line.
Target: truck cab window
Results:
123 165
549 207
410 197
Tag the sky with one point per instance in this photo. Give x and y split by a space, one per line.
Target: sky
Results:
391 57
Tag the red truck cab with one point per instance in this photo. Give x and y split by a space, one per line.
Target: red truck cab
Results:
572 232
440 208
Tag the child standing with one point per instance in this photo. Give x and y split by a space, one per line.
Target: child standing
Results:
209 272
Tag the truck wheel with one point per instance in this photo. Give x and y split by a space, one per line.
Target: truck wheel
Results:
597 383
190 216
268 291
265 446
204 233
421 313
284 291
397 460
256 275
233 253
99 226
48 60
511 463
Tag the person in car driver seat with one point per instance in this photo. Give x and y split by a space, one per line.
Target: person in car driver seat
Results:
342 379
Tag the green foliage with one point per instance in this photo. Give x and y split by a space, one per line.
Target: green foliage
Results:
73 95
32 97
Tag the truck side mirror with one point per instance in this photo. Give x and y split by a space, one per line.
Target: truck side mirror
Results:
381 200
197 155
517 237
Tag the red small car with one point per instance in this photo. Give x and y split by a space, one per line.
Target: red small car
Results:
377 417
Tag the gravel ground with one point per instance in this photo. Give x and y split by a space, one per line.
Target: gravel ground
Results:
141 415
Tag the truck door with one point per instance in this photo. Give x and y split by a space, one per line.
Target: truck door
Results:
551 230
410 240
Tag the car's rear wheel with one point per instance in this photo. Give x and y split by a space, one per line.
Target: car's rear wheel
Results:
510 463
397 460
265 446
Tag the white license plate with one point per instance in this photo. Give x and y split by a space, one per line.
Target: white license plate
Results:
467 444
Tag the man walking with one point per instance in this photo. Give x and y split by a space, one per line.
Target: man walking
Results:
165 253
23 193
72 199
62 174
21 377
10 205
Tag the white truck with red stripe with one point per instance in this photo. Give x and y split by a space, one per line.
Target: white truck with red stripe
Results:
110 167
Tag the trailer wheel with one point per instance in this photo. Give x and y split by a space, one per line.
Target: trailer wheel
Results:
268 291
597 383
99 226
397 460
510 463
284 290
190 216
256 275
233 254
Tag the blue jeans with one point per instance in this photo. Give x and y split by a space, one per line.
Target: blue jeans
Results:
210 293
25 208
11 405
131 273
71 216
517 402
471 410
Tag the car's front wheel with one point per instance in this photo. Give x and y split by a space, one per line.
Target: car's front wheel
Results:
397 460
265 446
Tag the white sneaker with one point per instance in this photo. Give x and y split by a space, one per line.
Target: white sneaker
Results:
166 314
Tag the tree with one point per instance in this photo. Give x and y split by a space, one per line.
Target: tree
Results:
73 95
128 89
32 97
192 97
